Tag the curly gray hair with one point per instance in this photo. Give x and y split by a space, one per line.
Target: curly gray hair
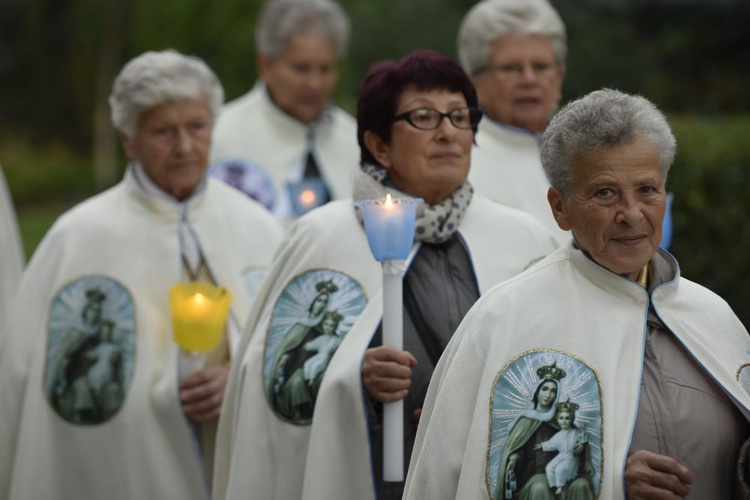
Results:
489 20
280 20
154 78
600 120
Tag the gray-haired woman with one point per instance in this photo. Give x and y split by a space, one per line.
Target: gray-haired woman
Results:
286 130
164 223
661 362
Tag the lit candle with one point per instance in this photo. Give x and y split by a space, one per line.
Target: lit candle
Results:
307 198
389 225
306 194
199 313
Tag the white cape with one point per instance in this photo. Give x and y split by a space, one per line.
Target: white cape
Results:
586 319
254 129
11 251
506 167
263 454
124 237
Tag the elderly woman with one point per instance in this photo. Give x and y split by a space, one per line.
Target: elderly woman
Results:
514 52
416 120
98 400
656 364
286 130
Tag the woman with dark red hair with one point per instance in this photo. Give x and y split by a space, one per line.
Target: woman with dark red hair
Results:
416 118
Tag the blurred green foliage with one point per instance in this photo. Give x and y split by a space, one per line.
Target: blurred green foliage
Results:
38 175
687 57
710 183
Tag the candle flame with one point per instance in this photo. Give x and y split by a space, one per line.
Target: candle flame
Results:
199 299
307 197
388 201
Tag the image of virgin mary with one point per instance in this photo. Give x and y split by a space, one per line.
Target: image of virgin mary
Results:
290 395
522 474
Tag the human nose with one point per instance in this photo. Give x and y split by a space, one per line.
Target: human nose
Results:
316 79
528 73
628 211
184 141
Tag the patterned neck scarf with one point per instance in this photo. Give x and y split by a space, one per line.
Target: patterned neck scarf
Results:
435 223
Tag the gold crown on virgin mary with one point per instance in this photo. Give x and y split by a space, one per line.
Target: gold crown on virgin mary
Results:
327 286
567 406
548 372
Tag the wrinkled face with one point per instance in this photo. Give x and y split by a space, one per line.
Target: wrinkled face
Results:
429 164
564 420
521 84
301 80
616 206
546 395
172 141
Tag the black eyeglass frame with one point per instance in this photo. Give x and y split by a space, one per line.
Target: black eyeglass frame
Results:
473 122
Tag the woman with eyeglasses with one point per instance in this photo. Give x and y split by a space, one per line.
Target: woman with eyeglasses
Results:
416 118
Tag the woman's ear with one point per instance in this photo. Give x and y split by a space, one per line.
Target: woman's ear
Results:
559 211
378 148
127 144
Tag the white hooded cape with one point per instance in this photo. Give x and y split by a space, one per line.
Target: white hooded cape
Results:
11 251
263 455
254 129
146 450
567 309
506 167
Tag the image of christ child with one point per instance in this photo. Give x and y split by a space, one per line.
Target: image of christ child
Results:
564 466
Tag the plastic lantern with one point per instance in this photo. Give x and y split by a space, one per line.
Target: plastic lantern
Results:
389 224
199 313
306 194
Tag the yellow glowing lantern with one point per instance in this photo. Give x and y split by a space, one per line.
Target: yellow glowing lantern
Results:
199 313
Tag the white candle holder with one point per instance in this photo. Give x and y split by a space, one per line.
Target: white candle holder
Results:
389 224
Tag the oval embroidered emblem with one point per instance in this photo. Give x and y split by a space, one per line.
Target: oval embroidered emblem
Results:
90 350
248 177
546 422
311 317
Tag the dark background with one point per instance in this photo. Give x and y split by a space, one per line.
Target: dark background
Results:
692 58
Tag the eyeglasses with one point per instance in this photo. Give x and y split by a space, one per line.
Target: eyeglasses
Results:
430 119
516 70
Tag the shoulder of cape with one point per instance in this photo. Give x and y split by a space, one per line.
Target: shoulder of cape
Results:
96 211
235 201
542 279
691 293
512 218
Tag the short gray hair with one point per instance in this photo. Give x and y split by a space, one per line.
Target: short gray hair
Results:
154 78
280 20
489 20
602 119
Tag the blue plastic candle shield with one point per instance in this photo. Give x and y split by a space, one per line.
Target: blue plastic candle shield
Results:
389 224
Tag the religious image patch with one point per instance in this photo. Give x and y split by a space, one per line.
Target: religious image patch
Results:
311 317
90 350
248 177
743 377
545 435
